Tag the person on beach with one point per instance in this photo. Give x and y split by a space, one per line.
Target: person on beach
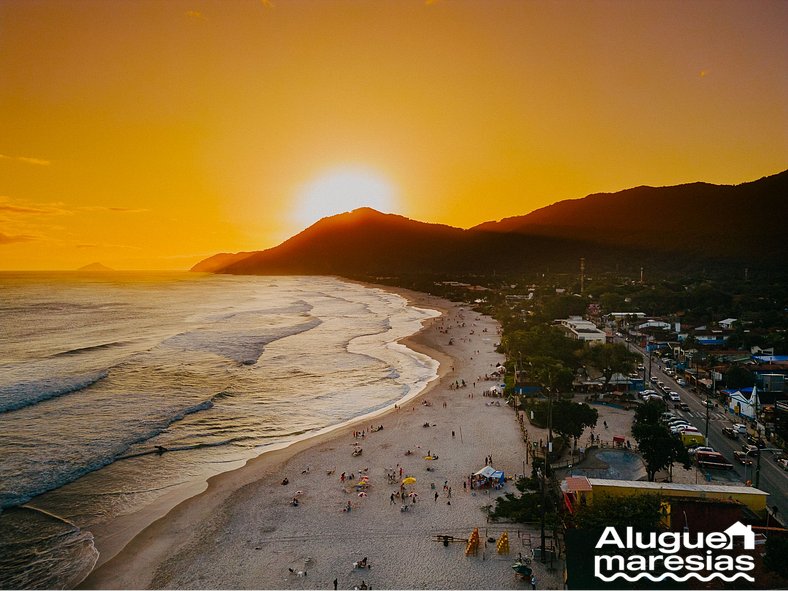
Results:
533 581
436 496
336 582
392 499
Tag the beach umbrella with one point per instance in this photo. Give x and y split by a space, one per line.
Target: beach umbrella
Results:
413 494
409 480
429 457
362 494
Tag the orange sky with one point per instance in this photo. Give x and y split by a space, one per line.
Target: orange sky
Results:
148 135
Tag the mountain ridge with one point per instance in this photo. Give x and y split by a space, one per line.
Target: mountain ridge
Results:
699 222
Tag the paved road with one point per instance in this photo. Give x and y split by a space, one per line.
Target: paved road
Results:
772 479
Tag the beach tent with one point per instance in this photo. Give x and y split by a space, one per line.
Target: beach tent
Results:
490 473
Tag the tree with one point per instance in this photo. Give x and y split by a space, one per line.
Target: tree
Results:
611 358
642 512
550 373
659 448
649 413
570 419
526 507
739 377
543 341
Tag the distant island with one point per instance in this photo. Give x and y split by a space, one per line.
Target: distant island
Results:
684 228
95 268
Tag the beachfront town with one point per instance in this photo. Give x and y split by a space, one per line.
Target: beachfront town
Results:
661 407
583 433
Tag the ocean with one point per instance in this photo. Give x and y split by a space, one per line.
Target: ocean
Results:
119 389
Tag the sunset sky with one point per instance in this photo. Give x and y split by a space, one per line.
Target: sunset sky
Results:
151 134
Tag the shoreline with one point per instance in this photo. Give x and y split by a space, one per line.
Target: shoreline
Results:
152 538
244 531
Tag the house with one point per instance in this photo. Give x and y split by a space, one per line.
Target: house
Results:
658 324
743 402
727 324
581 330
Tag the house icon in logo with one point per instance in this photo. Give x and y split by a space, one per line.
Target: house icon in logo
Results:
745 531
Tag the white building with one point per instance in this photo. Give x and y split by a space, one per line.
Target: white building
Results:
727 324
581 330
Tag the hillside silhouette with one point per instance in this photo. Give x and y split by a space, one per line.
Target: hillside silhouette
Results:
675 228
698 219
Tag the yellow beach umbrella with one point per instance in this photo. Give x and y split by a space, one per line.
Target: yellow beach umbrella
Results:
409 480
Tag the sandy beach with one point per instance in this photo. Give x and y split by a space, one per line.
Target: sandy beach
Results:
242 532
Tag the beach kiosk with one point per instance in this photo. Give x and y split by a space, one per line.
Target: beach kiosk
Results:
488 477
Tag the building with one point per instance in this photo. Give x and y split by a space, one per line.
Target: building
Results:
581 330
579 489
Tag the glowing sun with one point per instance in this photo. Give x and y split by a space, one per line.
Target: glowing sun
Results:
342 190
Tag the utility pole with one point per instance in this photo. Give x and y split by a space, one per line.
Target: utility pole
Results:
708 404
758 433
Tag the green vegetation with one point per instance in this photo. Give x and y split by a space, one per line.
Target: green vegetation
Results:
642 512
658 447
570 419
610 359
527 506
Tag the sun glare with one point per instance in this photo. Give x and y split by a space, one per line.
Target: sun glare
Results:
343 190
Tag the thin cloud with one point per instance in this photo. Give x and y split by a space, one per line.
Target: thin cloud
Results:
196 14
113 209
22 209
31 209
9 239
26 160
85 245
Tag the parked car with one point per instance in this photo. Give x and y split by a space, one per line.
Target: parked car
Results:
712 459
681 382
700 448
730 432
679 421
692 437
